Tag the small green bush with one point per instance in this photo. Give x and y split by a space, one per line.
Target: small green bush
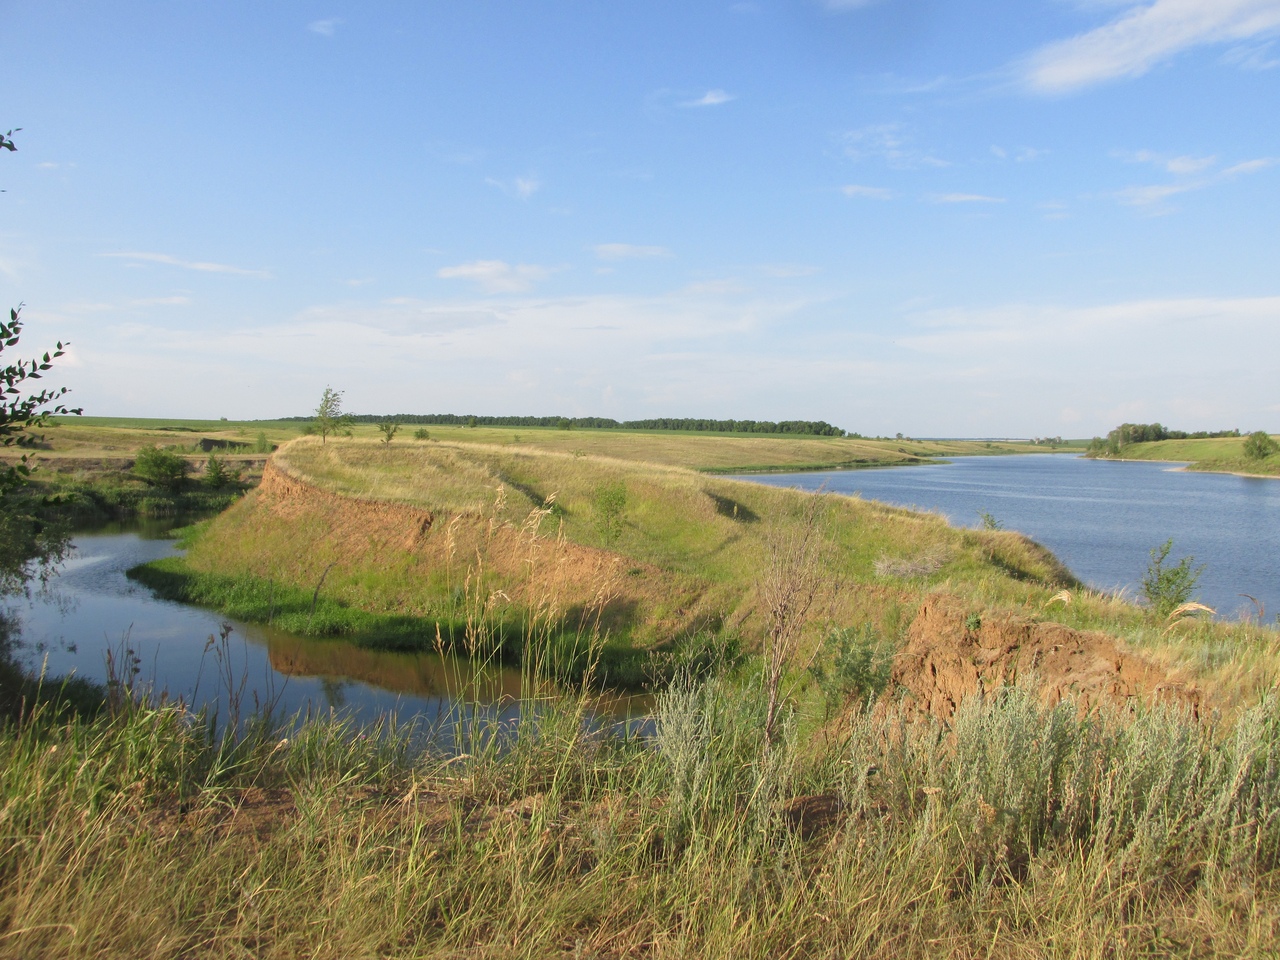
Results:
160 468
1259 445
858 668
1165 588
610 502
216 475
422 433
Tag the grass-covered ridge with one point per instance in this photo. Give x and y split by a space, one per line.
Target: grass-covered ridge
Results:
652 556
657 554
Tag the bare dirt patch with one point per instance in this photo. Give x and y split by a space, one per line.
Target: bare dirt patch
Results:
953 653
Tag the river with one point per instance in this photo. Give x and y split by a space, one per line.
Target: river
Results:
1101 518
90 608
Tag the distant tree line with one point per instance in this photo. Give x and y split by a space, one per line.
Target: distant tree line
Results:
808 428
1128 433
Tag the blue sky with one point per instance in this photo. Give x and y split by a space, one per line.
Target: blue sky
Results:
942 218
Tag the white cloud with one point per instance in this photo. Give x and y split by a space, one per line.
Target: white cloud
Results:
1177 165
1188 165
1250 166
176 301
963 198
1156 193
497 276
873 193
201 266
788 271
1253 57
522 187
325 28
1186 168
890 143
629 251
712 98
841 5
1143 36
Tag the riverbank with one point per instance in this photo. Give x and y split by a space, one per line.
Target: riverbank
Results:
655 557
1210 455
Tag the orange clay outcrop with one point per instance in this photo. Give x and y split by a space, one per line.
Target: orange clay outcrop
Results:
518 564
945 661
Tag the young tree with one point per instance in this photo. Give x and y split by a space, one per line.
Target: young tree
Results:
27 544
1166 587
329 416
388 429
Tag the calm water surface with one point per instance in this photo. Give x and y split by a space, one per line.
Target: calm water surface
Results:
92 607
1101 518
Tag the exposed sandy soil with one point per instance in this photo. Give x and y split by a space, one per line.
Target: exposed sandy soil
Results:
949 657
532 566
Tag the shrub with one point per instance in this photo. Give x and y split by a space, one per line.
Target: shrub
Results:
610 501
858 669
421 434
160 468
216 475
1259 445
1165 588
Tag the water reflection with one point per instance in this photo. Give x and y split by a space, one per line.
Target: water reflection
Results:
91 607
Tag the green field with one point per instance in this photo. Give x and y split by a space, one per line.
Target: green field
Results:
108 437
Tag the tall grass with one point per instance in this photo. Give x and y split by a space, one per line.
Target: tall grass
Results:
1021 831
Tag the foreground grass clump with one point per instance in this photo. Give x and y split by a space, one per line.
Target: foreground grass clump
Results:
1022 830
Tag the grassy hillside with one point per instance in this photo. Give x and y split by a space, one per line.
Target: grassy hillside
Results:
1218 455
656 556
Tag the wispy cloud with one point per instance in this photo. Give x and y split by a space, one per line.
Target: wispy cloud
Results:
1022 154
1180 165
1144 35
890 143
497 276
963 198
177 301
202 266
522 187
629 251
840 5
325 28
712 98
871 193
1254 57
1192 174
788 271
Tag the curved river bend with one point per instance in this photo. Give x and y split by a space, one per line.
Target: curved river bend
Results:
91 608
1101 518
